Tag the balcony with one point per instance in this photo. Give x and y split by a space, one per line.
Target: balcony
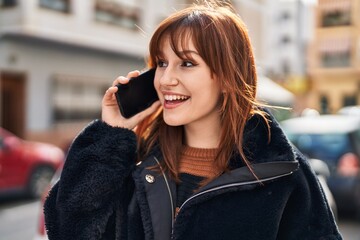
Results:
76 98
57 5
333 55
335 13
336 60
99 24
8 3
114 13
335 52
336 18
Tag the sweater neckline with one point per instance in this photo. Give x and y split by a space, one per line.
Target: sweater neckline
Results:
199 153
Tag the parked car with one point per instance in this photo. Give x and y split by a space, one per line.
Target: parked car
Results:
322 172
334 139
41 230
350 110
26 167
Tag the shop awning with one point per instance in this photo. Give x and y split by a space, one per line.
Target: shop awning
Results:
335 45
273 93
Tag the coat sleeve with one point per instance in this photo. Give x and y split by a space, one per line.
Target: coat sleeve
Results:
94 185
307 214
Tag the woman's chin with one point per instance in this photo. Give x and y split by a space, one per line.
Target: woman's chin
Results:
173 121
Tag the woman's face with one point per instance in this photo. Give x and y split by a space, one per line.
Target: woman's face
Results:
187 91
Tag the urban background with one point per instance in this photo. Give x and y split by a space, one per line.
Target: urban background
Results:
57 58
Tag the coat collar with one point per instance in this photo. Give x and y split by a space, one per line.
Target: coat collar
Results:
258 148
160 193
161 190
270 160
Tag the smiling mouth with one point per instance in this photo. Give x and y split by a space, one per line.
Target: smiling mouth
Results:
172 99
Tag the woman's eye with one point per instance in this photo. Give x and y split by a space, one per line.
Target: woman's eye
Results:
161 63
187 64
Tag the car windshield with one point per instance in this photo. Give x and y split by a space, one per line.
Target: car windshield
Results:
328 147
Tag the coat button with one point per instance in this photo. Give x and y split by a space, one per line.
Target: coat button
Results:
149 178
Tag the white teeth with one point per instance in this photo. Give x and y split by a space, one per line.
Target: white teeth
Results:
175 97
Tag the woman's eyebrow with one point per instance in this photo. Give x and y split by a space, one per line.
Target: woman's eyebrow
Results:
181 53
185 52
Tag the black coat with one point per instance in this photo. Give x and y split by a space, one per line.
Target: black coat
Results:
103 195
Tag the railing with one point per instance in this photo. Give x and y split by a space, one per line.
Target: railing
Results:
335 13
57 5
336 18
8 3
335 52
334 60
117 14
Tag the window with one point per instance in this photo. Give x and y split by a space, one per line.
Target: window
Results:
330 60
76 98
285 66
335 52
8 3
357 140
335 13
57 5
329 146
324 105
285 40
284 16
336 18
350 100
117 13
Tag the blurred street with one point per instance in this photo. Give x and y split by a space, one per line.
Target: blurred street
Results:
18 218
349 228
58 57
19 221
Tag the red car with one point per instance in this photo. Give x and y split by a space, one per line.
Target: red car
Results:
26 167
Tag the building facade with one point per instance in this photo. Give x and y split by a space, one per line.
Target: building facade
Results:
57 57
281 31
334 56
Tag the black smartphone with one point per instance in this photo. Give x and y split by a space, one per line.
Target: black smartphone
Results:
137 95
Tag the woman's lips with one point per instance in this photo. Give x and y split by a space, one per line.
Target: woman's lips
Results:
175 97
174 100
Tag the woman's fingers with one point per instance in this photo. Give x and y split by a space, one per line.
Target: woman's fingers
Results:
109 95
121 80
133 74
125 80
110 111
140 116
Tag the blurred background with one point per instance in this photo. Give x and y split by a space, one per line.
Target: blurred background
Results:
57 58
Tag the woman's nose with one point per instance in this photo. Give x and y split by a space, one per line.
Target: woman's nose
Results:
169 77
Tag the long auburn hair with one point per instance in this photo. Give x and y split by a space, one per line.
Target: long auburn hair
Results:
221 39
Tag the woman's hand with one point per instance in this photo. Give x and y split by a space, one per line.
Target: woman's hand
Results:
110 109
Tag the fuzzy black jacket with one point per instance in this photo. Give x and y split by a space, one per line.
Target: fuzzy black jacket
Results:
102 194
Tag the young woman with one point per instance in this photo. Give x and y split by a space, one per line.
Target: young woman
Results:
204 162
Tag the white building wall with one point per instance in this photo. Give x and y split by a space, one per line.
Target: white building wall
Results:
254 14
80 26
267 27
40 61
42 42
76 44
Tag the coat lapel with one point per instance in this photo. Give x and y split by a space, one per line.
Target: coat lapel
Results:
157 187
